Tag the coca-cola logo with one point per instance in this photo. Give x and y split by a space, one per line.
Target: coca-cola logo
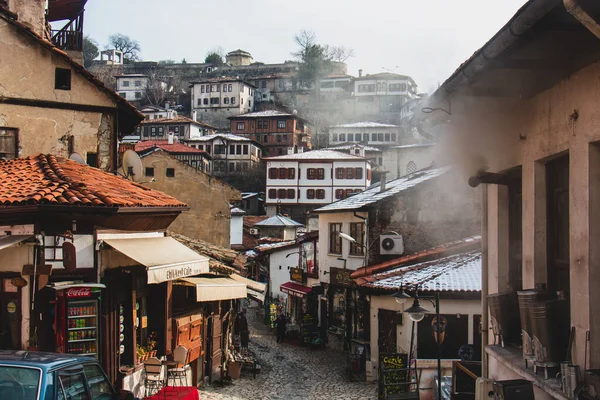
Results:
79 292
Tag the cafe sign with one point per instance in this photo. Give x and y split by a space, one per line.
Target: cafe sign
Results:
296 275
341 277
171 272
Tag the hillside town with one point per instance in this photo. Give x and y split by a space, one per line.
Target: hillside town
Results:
236 229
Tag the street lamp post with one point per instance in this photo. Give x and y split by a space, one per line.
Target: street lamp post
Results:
416 313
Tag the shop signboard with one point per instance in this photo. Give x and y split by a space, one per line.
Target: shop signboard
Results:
341 277
169 273
394 377
297 275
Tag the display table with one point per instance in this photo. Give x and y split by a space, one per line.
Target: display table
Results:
176 392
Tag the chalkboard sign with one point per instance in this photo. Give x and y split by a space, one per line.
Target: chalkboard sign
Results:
394 374
307 329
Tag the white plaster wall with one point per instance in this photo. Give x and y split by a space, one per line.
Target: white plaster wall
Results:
304 181
279 270
282 164
363 182
362 131
396 160
470 307
236 229
326 260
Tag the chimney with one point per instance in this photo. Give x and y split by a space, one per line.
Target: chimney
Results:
382 182
171 138
32 13
169 114
360 73
194 115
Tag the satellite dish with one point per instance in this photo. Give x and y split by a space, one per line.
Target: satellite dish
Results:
132 166
77 157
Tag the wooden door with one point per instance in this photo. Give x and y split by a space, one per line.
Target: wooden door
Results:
216 348
388 321
10 320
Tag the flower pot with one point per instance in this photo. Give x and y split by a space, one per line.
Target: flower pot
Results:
153 353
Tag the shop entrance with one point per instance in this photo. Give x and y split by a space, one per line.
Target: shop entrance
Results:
10 316
388 321
214 350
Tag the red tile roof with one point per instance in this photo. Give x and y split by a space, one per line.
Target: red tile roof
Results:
364 275
164 144
47 179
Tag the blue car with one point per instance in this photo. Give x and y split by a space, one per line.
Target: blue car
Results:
27 375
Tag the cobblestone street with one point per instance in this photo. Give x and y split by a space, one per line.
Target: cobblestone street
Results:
290 372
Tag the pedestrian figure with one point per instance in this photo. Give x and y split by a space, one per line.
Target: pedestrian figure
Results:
280 324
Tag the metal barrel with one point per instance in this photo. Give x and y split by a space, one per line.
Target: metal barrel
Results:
505 322
550 330
526 300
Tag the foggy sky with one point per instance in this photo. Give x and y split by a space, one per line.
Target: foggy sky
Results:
426 39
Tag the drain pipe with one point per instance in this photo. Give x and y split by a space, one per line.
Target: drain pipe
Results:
574 8
484 281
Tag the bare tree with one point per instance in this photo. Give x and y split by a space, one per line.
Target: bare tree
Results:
339 53
90 50
215 56
130 48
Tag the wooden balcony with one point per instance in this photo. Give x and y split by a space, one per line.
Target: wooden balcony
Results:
70 37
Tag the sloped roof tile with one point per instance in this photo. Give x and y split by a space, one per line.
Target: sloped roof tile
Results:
47 179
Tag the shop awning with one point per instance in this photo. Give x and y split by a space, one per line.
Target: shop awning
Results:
11 240
69 285
213 289
255 289
295 289
164 257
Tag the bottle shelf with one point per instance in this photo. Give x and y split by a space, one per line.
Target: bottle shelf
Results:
81 316
82 329
83 354
82 340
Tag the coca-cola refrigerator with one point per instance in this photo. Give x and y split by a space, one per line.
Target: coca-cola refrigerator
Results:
77 322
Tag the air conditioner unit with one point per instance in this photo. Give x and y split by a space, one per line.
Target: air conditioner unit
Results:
254 231
391 244
483 389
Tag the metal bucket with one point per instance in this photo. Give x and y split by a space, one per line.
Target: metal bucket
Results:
526 300
550 330
505 323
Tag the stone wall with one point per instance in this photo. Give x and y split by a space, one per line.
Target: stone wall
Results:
30 75
209 215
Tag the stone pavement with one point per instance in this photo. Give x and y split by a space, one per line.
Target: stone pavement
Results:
290 372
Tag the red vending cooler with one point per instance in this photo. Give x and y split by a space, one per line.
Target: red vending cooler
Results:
77 320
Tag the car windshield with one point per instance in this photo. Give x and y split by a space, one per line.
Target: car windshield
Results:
19 383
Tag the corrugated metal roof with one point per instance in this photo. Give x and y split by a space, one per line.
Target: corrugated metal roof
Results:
456 273
278 220
374 194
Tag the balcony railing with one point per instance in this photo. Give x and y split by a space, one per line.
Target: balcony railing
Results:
70 37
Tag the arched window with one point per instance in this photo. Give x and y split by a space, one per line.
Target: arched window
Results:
411 167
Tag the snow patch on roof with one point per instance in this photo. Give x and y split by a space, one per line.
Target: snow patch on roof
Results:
278 220
262 114
456 273
365 124
354 146
318 155
374 194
